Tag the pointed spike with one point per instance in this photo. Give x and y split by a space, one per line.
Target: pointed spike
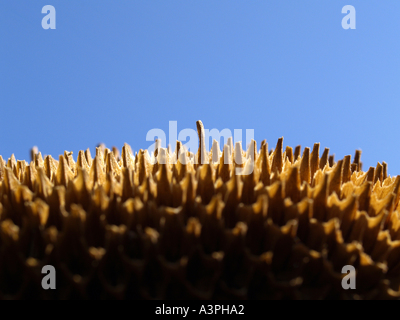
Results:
50 167
100 155
384 171
201 153
265 176
289 154
142 167
44 185
88 156
70 160
34 151
346 169
252 151
262 143
238 154
112 164
314 161
96 171
82 183
82 162
127 160
229 142
331 160
164 194
324 159
378 173
277 161
10 181
106 152
169 149
249 183
335 178
297 152
305 171
224 165
127 184
178 148
136 160
30 176
357 157
11 163
15 171
215 151
64 173
116 153
162 156
21 169
157 147
370 174
293 185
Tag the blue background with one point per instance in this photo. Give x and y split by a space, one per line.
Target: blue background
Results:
113 70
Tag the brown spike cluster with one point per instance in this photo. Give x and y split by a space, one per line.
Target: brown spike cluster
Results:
188 226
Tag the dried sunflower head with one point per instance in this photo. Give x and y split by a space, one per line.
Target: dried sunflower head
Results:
121 225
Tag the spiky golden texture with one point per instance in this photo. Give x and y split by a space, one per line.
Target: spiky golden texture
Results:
126 228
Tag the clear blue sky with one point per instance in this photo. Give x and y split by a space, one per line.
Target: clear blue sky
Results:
113 70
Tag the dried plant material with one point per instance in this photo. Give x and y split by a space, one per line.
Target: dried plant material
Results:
64 173
128 227
277 162
305 171
331 160
215 152
2 166
201 153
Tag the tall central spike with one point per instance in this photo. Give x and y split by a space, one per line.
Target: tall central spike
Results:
201 154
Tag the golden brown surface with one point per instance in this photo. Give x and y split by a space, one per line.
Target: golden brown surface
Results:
120 227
